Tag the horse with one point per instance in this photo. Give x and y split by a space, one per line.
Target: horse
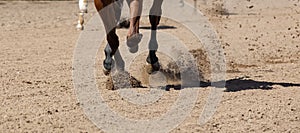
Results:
110 12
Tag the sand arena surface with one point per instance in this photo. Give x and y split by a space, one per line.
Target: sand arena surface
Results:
261 42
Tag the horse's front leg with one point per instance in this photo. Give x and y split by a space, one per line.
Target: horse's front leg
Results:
154 17
82 9
107 10
110 50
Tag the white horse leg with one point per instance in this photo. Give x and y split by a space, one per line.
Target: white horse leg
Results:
83 9
80 21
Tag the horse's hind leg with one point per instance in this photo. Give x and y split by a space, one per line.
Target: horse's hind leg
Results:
107 10
133 35
135 7
154 17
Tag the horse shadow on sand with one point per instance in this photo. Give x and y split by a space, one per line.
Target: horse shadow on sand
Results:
239 84
231 85
160 27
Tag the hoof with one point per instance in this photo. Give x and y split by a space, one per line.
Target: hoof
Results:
155 66
151 68
133 41
79 27
106 72
148 68
133 49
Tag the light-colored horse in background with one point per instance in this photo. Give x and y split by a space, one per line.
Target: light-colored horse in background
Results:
82 9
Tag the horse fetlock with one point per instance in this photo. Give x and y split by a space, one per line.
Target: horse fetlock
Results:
107 64
108 51
108 61
152 58
80 21
152 68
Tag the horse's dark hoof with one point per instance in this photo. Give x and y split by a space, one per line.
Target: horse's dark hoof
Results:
106 72
152 68
152 60
155 66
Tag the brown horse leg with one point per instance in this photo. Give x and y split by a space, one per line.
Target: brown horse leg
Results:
154 17
133 35
107 11
135 15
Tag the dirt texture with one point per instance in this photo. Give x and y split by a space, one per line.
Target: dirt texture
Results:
261 40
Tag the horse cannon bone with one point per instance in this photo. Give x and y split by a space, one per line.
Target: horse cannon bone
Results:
82 9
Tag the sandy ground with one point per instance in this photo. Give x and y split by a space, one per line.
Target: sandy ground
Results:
261 42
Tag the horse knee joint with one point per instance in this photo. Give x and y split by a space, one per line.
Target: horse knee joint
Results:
113 41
